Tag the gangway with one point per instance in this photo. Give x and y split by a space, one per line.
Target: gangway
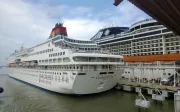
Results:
174 79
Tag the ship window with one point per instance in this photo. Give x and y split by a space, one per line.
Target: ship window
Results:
63 53
81 73
65 73
66 59
103 72
111 72
59 60
54 60
50 60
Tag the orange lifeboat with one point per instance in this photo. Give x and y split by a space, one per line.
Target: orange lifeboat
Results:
153 58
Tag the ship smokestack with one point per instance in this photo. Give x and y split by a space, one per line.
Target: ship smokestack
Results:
58 30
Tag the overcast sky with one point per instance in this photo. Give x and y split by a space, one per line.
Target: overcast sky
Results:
29 22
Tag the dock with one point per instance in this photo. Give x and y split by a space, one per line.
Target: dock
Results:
135 84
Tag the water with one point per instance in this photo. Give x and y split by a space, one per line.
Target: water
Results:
20 97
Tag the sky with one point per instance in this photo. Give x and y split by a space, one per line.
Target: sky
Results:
29 22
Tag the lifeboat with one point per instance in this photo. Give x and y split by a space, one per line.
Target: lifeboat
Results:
153 58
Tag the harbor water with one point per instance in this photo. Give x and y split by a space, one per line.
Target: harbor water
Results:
21 97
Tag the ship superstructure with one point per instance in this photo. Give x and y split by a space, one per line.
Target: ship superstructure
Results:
66 65
146 43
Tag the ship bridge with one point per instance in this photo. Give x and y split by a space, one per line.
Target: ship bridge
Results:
60 39
109 32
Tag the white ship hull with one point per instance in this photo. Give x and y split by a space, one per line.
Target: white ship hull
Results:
68 82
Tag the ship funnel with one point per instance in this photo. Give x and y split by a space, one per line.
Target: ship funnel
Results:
58 30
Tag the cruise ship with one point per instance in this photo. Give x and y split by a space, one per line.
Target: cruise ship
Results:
146 43
66 65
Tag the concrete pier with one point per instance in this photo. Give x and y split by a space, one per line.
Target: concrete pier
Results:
150 86
164 91
158 97
150 91
128 88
